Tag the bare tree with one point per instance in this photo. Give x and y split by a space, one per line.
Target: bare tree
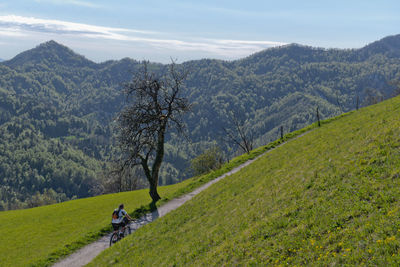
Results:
338 103
357 101
117 178
372 96
237 135
396 87
155 105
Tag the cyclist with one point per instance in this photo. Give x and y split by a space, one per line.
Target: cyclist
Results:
121 219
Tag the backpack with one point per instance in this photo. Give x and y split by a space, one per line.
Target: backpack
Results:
115 214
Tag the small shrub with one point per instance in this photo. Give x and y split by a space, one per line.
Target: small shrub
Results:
209 160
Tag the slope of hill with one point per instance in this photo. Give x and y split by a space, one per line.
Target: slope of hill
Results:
54 96
46 150
39 236
51 54
331 197
58 230
389 46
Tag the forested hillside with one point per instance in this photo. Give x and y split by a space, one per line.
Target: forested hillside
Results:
57 109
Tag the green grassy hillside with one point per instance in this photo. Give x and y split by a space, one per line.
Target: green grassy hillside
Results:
38 236
41 236
331 197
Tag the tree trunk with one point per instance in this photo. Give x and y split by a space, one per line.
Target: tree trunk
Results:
157 165
153 192
152 175
319 123
153 182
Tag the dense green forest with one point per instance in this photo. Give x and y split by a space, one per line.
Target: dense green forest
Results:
57 109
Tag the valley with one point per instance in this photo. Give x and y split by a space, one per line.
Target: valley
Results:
59 106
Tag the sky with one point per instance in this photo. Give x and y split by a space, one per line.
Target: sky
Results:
181 30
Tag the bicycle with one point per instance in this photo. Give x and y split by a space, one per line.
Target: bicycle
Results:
120 233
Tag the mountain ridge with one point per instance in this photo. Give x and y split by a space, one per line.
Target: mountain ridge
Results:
388 44
56 103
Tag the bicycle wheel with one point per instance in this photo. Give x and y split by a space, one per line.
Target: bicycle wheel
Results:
127 230
114 238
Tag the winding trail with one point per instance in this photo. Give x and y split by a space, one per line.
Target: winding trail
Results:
85 255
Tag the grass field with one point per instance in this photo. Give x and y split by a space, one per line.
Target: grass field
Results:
40 236
331 197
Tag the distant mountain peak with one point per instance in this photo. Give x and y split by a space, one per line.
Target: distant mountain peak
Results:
392 40
52 43
390 46
49 53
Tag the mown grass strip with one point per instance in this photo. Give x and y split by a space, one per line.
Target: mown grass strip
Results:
41 236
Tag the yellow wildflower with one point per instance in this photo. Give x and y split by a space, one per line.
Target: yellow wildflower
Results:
390 239
391 213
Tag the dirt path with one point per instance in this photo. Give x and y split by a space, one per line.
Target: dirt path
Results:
84 255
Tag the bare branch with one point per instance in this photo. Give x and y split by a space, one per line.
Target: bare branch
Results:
238 135
154 106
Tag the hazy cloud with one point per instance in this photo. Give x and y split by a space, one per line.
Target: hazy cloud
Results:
11 32
71 2
19 26
31 24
